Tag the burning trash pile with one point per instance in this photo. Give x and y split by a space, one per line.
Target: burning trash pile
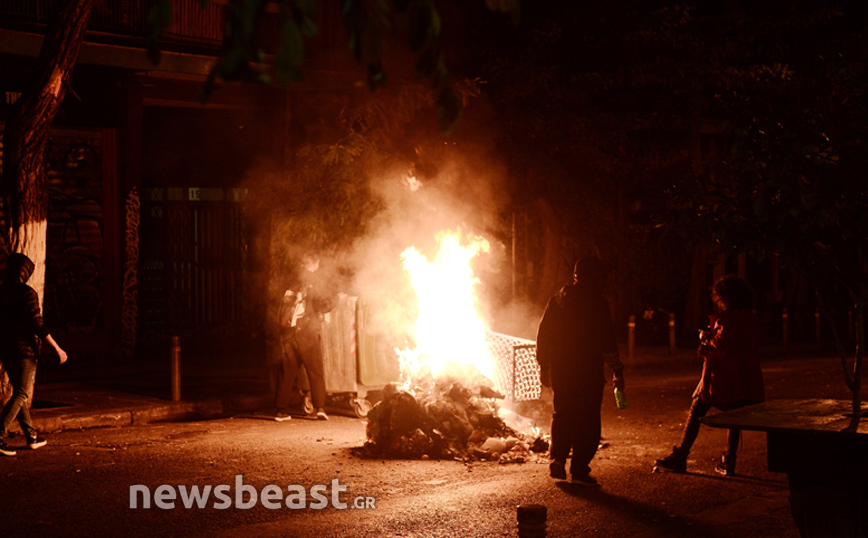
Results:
447 420
447 405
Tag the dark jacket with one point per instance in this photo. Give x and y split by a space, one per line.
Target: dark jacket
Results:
576 337
731 371
21 325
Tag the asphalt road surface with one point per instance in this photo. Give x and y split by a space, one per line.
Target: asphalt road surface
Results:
81 483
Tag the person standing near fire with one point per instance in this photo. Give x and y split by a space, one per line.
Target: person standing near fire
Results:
731 372
301 316
576 337
21 334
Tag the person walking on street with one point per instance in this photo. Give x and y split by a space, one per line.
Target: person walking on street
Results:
21 333
731 372
575 338
301 317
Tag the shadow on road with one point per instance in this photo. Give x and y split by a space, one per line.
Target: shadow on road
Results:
658 522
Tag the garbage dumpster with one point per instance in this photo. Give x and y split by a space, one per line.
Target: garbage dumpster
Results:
355 359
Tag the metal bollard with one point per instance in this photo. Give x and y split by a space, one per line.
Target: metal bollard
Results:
817 323
631 336
176 368
532 521
784 326
671 334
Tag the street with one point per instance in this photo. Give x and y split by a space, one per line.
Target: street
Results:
80 484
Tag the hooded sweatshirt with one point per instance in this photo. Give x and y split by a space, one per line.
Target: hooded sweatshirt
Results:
576 336
21 325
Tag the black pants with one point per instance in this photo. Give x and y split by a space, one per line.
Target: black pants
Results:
576 425
301 347
22 376
691 429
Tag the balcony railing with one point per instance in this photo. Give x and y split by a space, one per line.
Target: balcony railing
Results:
192 26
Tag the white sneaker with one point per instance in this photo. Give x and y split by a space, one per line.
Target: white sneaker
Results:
321 414
39 442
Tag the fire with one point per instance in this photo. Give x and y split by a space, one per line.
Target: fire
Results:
450 335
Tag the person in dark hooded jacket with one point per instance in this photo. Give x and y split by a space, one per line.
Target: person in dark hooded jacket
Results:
575 339
21 333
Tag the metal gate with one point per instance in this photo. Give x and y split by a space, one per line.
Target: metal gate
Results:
193 269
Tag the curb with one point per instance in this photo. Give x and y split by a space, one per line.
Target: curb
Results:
146 414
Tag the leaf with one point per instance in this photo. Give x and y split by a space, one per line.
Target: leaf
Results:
307 7
448 110
401 6
371 44
290 54
308 27
376 76
421 21
758 205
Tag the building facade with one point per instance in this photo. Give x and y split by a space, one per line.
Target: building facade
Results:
147 231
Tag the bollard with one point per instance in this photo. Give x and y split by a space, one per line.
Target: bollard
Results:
817 323
532 521
784 326
671 334
631 336
176 368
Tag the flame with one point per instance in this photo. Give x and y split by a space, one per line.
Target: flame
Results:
450 335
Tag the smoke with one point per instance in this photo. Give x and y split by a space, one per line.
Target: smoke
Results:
456 185
460 197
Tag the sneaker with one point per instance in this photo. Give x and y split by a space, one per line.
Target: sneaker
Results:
586 481
674 462
39 442
558 470
726 466
282 417
5 450
321 414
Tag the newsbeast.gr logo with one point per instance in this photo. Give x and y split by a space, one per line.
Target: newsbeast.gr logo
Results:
245 496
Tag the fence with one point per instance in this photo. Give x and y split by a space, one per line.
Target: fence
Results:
517 369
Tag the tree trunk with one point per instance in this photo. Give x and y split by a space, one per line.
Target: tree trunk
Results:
24 178
697 292
25 181
857 367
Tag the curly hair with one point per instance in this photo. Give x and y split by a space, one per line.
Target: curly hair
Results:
734 292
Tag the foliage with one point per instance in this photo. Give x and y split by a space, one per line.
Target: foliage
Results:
791 182
325 201
367 23
621 96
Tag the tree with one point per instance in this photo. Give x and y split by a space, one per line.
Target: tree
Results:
606 104
791 182
25 140
367 23
25 186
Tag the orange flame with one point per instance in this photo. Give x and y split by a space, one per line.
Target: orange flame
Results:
450 335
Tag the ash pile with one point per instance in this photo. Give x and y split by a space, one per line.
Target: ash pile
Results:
445 419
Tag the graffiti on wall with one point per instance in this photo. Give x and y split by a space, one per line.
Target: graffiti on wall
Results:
130 309
74 287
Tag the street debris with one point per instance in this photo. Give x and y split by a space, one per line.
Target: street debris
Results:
447 420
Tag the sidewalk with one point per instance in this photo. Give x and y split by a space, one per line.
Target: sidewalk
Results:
103 394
